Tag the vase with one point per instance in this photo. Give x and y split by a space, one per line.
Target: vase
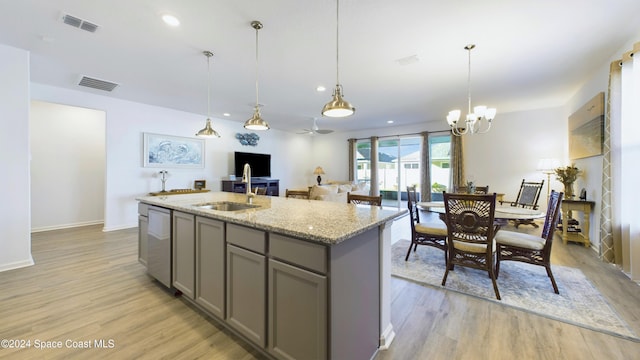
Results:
568 190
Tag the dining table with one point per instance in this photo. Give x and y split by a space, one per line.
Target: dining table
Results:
502 213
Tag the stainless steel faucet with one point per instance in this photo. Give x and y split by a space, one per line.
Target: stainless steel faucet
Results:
246 178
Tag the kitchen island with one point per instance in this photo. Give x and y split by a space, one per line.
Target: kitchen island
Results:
295 278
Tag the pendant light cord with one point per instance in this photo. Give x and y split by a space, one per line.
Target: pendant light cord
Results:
208 85
337 42
256 67
469 47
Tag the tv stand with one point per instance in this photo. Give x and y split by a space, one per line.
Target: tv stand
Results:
237 186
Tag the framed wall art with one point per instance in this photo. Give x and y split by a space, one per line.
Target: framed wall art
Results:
586 129
172 151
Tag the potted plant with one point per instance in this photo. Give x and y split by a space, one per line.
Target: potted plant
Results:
567 176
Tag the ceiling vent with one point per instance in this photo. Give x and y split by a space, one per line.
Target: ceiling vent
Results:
79 23
97 83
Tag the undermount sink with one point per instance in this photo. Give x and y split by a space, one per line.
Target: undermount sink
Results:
226 206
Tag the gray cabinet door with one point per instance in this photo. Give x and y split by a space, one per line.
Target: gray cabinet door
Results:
210 265
297 313
246 293
143 239
184 253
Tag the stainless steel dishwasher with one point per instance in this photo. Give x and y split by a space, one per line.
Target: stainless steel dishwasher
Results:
159 244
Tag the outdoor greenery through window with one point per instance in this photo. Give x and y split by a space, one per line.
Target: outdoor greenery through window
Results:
399 166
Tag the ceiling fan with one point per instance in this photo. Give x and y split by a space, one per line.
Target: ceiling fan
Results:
315 129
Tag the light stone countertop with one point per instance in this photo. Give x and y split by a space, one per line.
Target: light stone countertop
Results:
322 221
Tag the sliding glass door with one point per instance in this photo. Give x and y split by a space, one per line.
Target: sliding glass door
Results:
399 166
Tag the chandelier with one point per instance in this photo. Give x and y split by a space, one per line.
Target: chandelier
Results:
478 121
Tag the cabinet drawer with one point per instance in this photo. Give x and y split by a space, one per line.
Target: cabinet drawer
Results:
299 252
143 209
250 239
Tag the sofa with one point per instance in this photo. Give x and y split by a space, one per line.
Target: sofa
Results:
337 190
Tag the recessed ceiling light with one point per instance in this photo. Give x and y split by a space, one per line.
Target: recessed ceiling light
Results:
389 121
170 20
226 114
321 88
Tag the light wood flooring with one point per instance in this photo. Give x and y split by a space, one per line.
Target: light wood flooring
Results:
87 285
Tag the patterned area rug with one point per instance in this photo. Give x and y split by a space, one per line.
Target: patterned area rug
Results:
578 303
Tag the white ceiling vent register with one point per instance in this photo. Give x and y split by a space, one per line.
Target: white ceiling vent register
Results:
97 83
79 23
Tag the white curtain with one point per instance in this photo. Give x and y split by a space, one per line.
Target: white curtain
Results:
629 155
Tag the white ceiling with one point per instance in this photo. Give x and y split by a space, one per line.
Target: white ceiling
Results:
529 54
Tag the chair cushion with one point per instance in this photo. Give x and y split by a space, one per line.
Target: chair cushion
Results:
432 228
471 247
521 240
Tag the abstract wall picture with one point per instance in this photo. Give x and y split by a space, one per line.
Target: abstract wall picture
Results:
172 151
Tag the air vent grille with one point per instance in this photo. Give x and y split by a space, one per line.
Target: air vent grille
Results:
79 23
97 83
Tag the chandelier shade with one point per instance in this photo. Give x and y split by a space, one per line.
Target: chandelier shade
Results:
338 107
208 131
256 122
476 122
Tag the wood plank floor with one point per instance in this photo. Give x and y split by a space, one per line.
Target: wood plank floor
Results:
87 285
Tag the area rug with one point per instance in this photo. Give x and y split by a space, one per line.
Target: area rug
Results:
522 286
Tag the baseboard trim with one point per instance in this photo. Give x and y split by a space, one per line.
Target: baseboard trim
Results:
386 338
66 226
17 264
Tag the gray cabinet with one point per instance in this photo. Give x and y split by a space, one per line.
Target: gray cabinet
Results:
210 265
143 227
183 269
297 312
246 282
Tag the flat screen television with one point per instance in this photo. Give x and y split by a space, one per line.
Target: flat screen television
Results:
260 163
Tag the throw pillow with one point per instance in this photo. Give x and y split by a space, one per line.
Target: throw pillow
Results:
318 191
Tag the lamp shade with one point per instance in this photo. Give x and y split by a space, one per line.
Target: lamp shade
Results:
208 131
338 107
318 171
548 165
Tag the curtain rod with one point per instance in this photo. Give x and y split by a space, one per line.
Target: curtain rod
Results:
392 136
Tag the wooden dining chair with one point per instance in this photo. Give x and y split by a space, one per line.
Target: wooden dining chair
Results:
424 233
527 198
364 199
528 248
298 194
471 231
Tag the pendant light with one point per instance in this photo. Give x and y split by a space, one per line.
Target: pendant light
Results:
256 122
208 131
338 107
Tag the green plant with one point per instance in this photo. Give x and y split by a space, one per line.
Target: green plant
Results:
567 175
438 188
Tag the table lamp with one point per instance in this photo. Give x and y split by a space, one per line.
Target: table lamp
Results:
318 171
548 166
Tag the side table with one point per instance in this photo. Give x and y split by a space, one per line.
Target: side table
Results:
576 205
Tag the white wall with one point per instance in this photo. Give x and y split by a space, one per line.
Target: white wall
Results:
127 179
510 151
67 166
15 238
